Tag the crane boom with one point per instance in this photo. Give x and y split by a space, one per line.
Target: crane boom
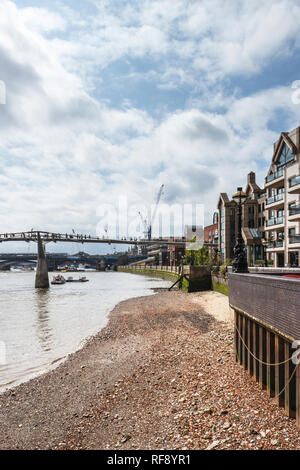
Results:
145 224
159 195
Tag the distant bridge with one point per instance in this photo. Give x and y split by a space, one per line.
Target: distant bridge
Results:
56 259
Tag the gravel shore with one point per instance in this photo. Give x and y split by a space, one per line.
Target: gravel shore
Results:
160 375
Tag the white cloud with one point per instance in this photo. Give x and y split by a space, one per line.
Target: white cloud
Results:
64 152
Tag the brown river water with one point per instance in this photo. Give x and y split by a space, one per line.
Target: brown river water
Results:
39 327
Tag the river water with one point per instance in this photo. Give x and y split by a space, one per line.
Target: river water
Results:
39 327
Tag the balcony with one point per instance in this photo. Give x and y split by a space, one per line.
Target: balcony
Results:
276 200
294 213
294 239
275 244
274 178
294 184
275 221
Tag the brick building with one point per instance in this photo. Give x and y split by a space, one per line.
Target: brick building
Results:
253 220
211 234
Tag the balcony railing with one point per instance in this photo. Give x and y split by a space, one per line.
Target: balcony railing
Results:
275 244
275 221
294 181
294 239
278 197
294 210
274 176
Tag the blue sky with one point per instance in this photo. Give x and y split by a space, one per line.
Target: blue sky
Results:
108 98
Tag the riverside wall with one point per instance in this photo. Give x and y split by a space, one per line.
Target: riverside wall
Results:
266 324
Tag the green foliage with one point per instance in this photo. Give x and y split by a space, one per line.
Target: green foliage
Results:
223 267
198 257
220 288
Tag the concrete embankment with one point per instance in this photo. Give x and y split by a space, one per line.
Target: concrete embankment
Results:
192 278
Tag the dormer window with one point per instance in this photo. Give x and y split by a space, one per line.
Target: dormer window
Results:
285 157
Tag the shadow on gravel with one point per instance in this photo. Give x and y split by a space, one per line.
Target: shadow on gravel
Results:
201 321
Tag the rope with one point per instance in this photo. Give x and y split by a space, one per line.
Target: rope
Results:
259 360
269 364
289 381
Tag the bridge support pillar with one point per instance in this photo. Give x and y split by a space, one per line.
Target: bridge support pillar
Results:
41 277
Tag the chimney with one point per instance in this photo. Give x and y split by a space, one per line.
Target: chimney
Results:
251 177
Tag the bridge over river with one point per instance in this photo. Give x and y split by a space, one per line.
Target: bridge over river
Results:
43 237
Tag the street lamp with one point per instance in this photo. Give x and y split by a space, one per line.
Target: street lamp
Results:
239 264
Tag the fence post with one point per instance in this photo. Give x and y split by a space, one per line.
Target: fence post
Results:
262 357
279 370
270 360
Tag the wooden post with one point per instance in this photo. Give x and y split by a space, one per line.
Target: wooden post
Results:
242 322
262 357
246 345
298 395
250 346
279 370
256 351
270 359
236 336
289 396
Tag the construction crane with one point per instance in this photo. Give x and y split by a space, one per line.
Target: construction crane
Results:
145 225
148 225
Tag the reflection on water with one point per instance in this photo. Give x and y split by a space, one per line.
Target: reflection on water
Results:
44 334
39 326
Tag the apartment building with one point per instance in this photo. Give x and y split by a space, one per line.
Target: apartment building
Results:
253 220
282 204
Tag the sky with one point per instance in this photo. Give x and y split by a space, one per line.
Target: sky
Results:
111 99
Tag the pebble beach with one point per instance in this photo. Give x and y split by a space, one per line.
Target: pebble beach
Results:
160 375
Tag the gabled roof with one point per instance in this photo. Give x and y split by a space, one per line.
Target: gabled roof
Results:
255 188
284 138
223 198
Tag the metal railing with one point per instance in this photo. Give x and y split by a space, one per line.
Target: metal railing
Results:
274 176
171 269
294 181
275 244
294 210
275 221
294 239
276 198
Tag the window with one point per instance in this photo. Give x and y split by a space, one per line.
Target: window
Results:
280 213
292 232
285 156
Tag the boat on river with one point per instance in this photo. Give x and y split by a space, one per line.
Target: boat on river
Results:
81 279
59 279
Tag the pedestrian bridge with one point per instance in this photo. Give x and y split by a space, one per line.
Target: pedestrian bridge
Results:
41 238
47 237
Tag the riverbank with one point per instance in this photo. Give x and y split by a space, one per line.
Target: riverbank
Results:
160 375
